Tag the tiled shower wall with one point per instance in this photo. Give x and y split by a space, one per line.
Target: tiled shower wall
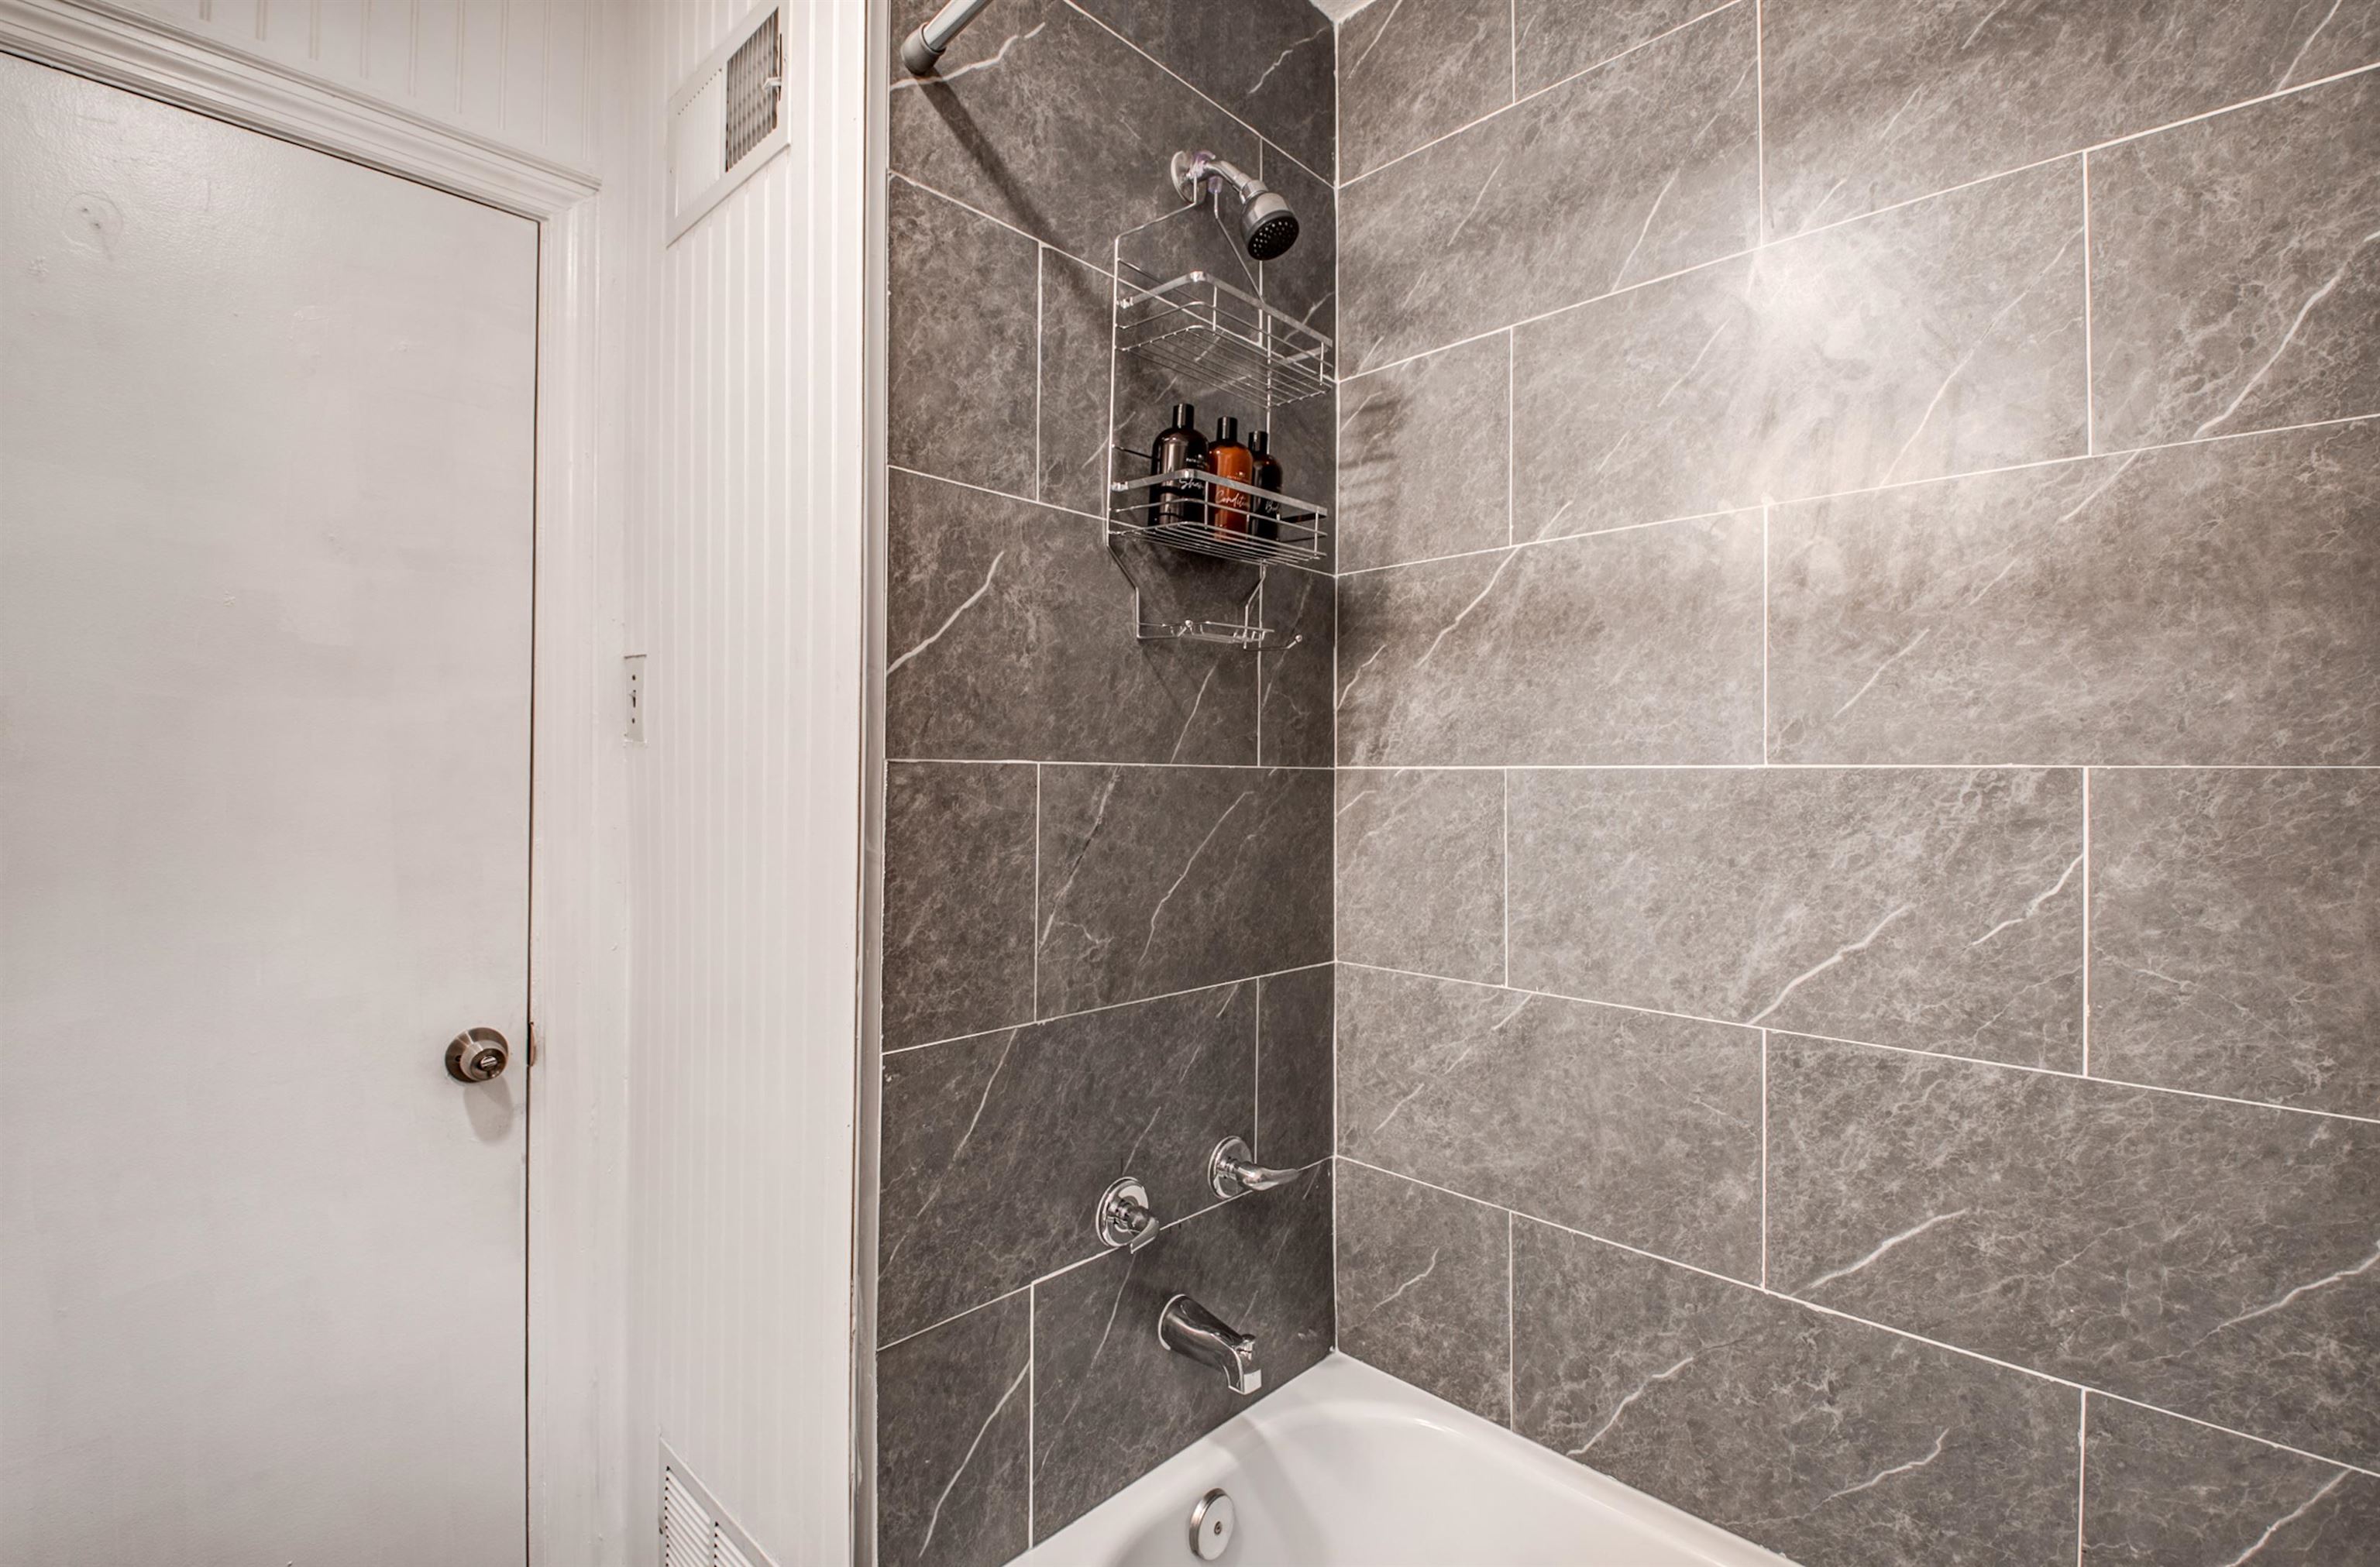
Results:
1858 863
1106 907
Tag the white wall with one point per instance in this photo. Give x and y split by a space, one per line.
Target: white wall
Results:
737 436
522 72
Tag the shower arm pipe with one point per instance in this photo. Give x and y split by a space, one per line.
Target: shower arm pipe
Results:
922 50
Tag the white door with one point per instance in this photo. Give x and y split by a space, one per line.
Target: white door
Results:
266 524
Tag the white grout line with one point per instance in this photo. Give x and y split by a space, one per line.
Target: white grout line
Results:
1512 1330
1106 1006
1766 506
1793 1300
1040 290
1512 428
2086 922
1867 1044
1760 118
1505 776
1032 1397
1768 767
1765 510
1036 892
1763 1158
2081 1471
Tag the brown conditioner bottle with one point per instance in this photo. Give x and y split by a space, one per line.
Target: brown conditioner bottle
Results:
1226 458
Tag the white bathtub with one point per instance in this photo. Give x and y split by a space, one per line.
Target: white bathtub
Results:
1347 1467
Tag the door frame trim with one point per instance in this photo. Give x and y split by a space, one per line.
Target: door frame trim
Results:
581 1502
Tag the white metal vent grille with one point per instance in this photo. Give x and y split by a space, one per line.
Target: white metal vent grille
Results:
727 120
752 92
695 1531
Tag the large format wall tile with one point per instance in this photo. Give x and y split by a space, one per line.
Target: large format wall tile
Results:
1421 871
1304 283
1414 71
2235 933
1110 1402
1077 350
952 1430
2235 270
958 899
1557 39
2208 603
1624 174
1010 632
1267 61
1156 879
1933 909
1423 1284
1294 720
2213 1259
1424 456
1046 120
1872 102
1294 1041
996 1149
2162 1492
953 377
1941 338
1637 1127
1641 646
1836 1444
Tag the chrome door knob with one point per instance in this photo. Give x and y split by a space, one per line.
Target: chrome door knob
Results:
475 1055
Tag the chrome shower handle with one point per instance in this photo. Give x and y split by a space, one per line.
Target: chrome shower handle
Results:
1124 1217
1231 1169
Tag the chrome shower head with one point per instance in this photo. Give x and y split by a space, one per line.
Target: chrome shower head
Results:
1268 226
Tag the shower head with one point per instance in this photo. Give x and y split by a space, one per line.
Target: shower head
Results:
1268 228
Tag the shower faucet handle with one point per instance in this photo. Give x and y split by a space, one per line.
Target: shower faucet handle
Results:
1231 1169
1123 1218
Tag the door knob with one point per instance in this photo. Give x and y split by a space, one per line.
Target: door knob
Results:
477 1055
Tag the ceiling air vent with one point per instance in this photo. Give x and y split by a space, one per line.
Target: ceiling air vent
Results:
695 1531
727 119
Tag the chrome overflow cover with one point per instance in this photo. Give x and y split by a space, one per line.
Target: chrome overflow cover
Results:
1211 1522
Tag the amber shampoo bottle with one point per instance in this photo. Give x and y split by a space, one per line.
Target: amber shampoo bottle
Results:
1267 517
1226 458
1178 446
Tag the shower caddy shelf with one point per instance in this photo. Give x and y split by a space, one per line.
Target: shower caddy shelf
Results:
1203 330
1294 526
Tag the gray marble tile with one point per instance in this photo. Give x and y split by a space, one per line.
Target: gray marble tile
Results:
1294 727
958 900
1426 456
2213 1259
1077 345
1619 176
2199 604
2235 270
1940 338
952 1430
1637 1127
1010 632
1156 879
1835 1443
1413 71
955 379
1423 1282
2162 1492
1294 1046
1046 120
1937 909
1555 39
1304 283
2235 918
996 1149
1110 1402
1871 102
1305 440
1267 61
1641 646
1420 860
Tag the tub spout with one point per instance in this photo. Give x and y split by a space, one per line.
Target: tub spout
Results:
1186 1328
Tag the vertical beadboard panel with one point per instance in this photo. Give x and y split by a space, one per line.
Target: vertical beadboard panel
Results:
737 365
516 70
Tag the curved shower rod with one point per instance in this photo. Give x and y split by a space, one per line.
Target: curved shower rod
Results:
922 49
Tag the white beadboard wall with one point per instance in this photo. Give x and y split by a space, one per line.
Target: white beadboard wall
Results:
737 355
519 71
